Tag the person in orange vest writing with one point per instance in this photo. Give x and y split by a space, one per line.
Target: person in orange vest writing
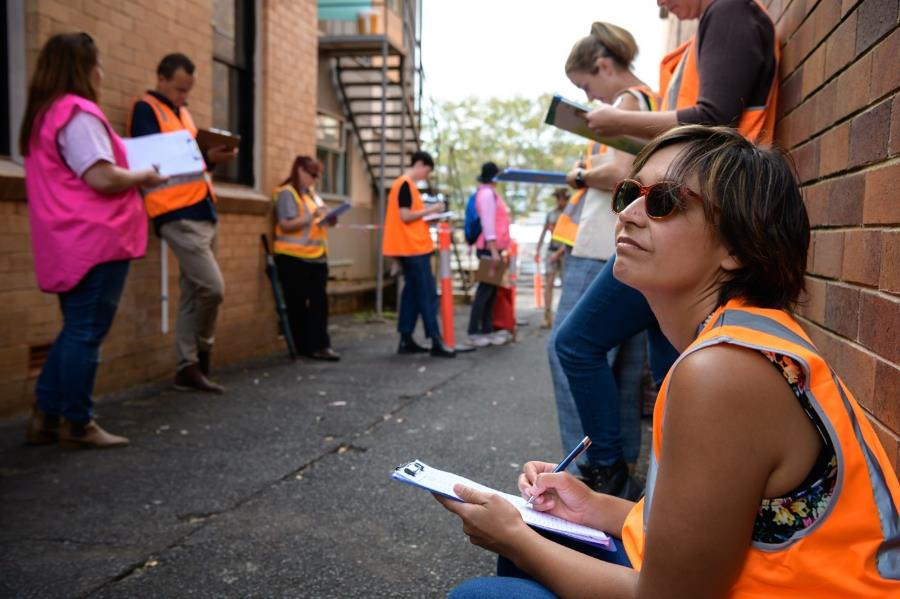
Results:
408 240
301 253
767 478
725 74
185 216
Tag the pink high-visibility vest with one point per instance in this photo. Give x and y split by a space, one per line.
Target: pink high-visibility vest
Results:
73 227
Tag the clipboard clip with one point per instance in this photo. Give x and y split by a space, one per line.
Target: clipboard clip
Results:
413 468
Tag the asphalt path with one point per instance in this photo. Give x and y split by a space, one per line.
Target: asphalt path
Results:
279 488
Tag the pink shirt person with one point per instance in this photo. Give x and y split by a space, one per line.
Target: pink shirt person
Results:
73 227
494 218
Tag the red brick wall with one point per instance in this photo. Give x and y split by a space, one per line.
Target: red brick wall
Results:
840 117
132 36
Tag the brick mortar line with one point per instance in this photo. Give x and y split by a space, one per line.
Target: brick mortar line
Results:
838 73
852 284
871 166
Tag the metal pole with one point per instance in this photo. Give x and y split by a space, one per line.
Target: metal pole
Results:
163 286
379 281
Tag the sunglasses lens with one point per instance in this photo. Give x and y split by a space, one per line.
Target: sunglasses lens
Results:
624 194
661 199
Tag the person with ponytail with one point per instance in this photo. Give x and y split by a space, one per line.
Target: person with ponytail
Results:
597 346
87 224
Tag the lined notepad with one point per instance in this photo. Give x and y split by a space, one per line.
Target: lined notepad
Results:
419 474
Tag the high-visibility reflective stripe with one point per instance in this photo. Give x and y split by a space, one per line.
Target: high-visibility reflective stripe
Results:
675 82
888 559
445 264
295 241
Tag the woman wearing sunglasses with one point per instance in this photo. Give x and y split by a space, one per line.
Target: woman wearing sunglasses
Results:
767 479
301 254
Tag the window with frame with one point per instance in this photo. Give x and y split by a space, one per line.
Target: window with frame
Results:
234 42
4 84
331 151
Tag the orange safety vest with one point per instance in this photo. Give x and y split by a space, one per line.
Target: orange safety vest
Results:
566 228
309 242
181 195
853 549
679 83
400 238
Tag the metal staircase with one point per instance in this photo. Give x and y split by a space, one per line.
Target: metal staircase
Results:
378 77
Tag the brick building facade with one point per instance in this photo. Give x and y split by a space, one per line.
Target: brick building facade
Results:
839 115
280 92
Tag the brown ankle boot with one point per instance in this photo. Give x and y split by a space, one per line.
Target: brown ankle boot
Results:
73 435
41 428
190 378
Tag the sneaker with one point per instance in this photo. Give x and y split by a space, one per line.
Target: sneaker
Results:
610 480
479 340
500 337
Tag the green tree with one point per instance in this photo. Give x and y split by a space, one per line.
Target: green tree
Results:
511 132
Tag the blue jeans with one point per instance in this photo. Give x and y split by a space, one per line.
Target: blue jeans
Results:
66 383
608 314
419 296
513 582
577 277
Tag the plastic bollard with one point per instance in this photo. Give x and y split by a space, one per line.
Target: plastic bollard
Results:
538 283
446 284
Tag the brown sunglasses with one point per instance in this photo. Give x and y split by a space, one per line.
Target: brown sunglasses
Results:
661 198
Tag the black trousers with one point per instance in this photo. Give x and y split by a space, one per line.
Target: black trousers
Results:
304 284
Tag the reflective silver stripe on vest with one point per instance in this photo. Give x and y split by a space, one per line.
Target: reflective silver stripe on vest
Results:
295 241
675 81
445 272
651 484
888 555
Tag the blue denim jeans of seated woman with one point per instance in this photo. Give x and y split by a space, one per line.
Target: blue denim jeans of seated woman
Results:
513 582
608 313
66 383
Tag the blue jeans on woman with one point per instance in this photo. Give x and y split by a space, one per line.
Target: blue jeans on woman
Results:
577 277
607 314
66 383
513 582
419 296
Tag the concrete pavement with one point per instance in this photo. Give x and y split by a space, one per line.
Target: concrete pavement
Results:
280 487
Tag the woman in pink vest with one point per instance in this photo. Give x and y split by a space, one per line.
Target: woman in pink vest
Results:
87 224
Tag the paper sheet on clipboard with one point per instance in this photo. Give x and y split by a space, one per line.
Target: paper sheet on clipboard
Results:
419 474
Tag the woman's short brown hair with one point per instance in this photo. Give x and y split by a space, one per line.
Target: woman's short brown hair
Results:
752 198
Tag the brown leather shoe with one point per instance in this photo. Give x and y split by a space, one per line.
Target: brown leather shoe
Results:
41 428
190 378
327 354
73 435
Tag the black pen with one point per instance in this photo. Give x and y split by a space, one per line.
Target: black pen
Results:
573 455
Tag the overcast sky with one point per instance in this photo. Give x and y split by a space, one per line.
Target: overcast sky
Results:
503 48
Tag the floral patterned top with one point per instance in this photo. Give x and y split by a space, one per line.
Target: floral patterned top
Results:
781 518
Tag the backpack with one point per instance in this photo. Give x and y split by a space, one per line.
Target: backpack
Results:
472 226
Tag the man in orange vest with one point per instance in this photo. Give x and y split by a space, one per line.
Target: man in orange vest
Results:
407 238
184 215
725 74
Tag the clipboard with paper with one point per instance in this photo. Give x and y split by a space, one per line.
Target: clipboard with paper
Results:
570 116
335 212
419 474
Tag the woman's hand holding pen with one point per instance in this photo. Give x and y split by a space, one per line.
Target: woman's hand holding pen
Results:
557 493
489 520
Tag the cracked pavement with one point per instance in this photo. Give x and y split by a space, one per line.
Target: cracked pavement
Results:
280 487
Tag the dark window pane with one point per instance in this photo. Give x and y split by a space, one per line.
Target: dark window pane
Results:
224 30
4 84
222 96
